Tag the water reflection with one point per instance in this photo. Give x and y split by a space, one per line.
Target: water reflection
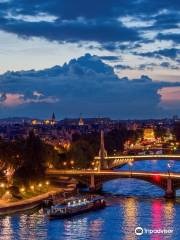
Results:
116 222
157 218
96 228
6 228
130 218
169 214
76 228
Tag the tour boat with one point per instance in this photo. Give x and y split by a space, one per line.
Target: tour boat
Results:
76 206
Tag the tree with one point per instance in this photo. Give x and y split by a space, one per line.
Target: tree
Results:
34 159
115 139
177 131
81 153
160 132
93 139
10 158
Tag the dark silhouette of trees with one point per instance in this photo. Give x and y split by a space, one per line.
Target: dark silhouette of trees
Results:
35 155
160 132
177 131
81 153
11 158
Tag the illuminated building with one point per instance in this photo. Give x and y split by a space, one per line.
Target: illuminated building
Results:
47 122
149 134
34 122
81 122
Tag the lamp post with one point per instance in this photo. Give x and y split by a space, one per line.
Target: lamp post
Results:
169 166
130 164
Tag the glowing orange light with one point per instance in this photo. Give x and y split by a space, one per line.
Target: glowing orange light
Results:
157 178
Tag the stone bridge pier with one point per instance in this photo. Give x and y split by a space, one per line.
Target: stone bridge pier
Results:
170 191
94 185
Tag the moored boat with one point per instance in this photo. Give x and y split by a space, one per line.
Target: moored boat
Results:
76 206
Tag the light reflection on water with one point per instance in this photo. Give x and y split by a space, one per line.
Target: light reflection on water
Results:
130 218
131 203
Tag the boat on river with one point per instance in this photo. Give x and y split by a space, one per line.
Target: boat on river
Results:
76 206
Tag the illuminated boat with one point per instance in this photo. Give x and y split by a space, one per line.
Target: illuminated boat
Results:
76 206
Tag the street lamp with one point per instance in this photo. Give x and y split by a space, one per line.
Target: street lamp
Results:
72 162
130 164
22 189
47 183
169 167
2 185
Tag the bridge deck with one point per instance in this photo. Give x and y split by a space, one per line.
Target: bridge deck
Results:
120 173
144 157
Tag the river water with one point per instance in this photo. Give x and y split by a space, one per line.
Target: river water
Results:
131 203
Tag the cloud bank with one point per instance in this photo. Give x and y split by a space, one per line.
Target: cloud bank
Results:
85 85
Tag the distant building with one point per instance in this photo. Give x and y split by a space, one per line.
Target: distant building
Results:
175 118
34 122
81 122
149 134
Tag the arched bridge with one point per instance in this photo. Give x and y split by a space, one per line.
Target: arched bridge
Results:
117 161
170 182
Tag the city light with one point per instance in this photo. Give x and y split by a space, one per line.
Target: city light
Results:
22 189
2 185
157 178
47 182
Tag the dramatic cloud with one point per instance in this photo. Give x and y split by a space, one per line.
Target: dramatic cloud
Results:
120 66
169 53
136 29
102 21
110 58
85 85
16 99
170 97
11 99
136 37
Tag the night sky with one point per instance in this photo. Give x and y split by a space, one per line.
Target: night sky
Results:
100 58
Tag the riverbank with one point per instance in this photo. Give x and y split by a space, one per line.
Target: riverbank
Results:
57 194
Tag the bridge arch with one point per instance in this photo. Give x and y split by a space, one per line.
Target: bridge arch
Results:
95 179
95 183
133 185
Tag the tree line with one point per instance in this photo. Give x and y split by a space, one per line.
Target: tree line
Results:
24 160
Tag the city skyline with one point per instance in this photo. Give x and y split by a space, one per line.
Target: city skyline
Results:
89 119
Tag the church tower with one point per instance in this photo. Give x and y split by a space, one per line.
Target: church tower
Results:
53 119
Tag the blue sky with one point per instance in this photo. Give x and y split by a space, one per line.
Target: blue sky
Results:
137 39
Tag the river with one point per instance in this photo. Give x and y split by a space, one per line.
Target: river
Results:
131 203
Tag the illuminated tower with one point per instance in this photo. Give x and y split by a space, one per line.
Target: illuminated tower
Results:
102 153
53 119
81 122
